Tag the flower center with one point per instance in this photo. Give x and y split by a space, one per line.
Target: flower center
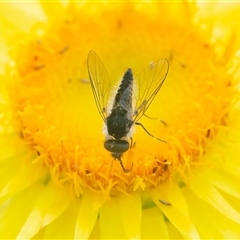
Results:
57 117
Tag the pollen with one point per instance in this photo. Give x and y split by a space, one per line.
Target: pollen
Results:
56 116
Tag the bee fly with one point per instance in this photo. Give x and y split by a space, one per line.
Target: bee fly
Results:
129 103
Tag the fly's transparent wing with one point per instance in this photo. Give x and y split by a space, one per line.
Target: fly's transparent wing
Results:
148 83
100 82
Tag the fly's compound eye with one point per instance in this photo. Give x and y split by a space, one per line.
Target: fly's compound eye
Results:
116 146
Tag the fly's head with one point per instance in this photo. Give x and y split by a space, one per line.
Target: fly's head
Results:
116 146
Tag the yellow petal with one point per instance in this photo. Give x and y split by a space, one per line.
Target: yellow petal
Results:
201 185
87 216
120 218
111 225
171 193
210 223
224 182
21 180
131 213
60 228
179 219
51 203
24 202
153 224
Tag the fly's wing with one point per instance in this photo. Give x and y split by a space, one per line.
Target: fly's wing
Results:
100 82
148 83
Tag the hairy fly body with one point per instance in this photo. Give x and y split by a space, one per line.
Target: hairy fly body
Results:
128 105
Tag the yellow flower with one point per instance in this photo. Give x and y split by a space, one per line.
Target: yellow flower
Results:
58 181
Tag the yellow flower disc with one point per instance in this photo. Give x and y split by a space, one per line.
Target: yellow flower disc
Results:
57 117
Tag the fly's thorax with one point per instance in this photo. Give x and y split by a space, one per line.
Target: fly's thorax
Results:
118 123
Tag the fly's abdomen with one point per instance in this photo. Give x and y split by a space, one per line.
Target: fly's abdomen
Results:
123 97
119 121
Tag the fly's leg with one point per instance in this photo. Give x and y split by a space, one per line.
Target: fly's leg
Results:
155 118
138 123
152 118
124 169
131 144
118 157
